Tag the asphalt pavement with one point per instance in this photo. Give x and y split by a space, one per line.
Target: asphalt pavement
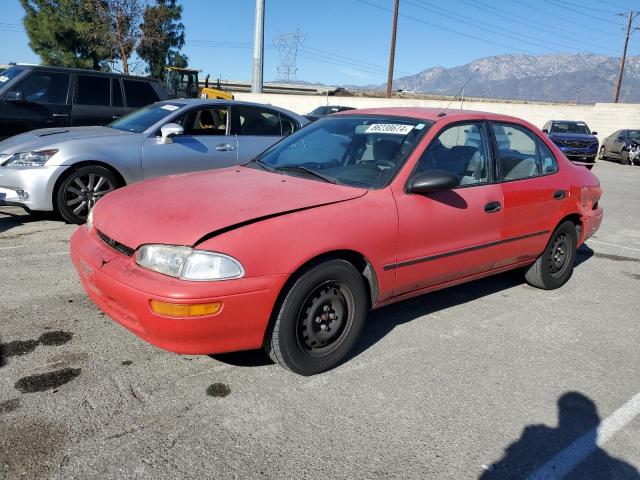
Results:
492 379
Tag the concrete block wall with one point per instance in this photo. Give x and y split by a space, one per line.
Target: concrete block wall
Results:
604 118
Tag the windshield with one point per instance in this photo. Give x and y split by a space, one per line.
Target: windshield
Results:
634 134
9 74
360 151
322 111
146 117
570 127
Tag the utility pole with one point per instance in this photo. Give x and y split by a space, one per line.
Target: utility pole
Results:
632 15
258 49
392 55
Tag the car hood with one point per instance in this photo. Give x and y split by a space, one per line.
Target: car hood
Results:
52 137
572 136
183 209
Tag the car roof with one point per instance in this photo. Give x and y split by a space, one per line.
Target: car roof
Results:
568 121
205 101
432 114
83 71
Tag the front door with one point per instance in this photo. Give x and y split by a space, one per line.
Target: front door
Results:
451 234
205 144
44 104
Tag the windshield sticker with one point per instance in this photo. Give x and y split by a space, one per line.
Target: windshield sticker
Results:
3 79
420 126
171 108
392 128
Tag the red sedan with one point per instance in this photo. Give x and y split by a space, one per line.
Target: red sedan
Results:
355 211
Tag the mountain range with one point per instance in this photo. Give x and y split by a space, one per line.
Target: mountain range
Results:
584 78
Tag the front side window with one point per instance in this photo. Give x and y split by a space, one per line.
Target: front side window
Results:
93 90
9 74
138 93
521 154
462 150
146 117
45 87
255 121
361 151
206 121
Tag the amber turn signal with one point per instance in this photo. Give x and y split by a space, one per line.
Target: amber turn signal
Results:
185 310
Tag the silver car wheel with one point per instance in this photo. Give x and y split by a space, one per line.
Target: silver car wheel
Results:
84 191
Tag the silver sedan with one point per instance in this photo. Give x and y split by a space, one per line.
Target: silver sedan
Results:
68 169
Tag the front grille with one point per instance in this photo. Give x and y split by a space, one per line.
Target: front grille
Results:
577 143
128 251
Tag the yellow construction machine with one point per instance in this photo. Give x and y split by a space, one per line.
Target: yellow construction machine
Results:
183 83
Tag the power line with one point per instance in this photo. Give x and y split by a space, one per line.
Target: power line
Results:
585 7
527 22
558 4
450 30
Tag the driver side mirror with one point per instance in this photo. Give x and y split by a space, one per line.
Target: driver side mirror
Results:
14 97
545 130
432 181
170 130
594 133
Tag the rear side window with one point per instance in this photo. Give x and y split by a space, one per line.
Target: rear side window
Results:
93 90
45 87
521 154
256 121
116 93
462 150
139 94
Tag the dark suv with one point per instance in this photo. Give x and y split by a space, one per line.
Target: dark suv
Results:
34 97
575 139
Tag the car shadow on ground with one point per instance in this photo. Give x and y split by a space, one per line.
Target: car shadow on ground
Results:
382 321
16 217
566 451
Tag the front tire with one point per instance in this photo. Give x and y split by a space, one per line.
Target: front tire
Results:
554 267
81 189
624 158
320 318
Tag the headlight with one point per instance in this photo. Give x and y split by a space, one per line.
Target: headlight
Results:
188 264
29 159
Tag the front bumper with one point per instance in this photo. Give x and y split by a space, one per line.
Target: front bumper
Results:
29 187
123 291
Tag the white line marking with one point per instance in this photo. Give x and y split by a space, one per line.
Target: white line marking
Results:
564 462
614 245
12 248
35 255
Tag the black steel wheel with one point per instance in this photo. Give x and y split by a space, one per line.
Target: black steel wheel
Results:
319 318
554 267
81 189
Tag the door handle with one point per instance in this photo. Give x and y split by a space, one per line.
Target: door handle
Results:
492 207
60 115
225 147
559 195
115 117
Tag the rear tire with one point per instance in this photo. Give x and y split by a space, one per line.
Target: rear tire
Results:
81 189
554 267
320 318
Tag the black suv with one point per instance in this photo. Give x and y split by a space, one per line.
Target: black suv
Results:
34 97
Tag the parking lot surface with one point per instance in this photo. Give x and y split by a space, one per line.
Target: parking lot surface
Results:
492 379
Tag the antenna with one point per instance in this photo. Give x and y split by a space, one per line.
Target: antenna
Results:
287 45
462 88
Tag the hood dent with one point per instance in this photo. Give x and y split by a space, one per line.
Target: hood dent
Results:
235 226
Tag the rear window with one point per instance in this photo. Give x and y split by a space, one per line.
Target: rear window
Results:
93 90
138 93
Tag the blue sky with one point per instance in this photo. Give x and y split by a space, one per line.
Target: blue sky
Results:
347 41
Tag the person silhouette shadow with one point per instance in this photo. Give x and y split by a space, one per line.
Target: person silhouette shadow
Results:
567 451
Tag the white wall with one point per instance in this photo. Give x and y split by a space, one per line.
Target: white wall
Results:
604 118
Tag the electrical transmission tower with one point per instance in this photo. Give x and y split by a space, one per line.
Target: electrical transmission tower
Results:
287 45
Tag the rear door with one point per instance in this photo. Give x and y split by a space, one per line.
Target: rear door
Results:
257 128
206 144
92 100
46 103
455 233
533 191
